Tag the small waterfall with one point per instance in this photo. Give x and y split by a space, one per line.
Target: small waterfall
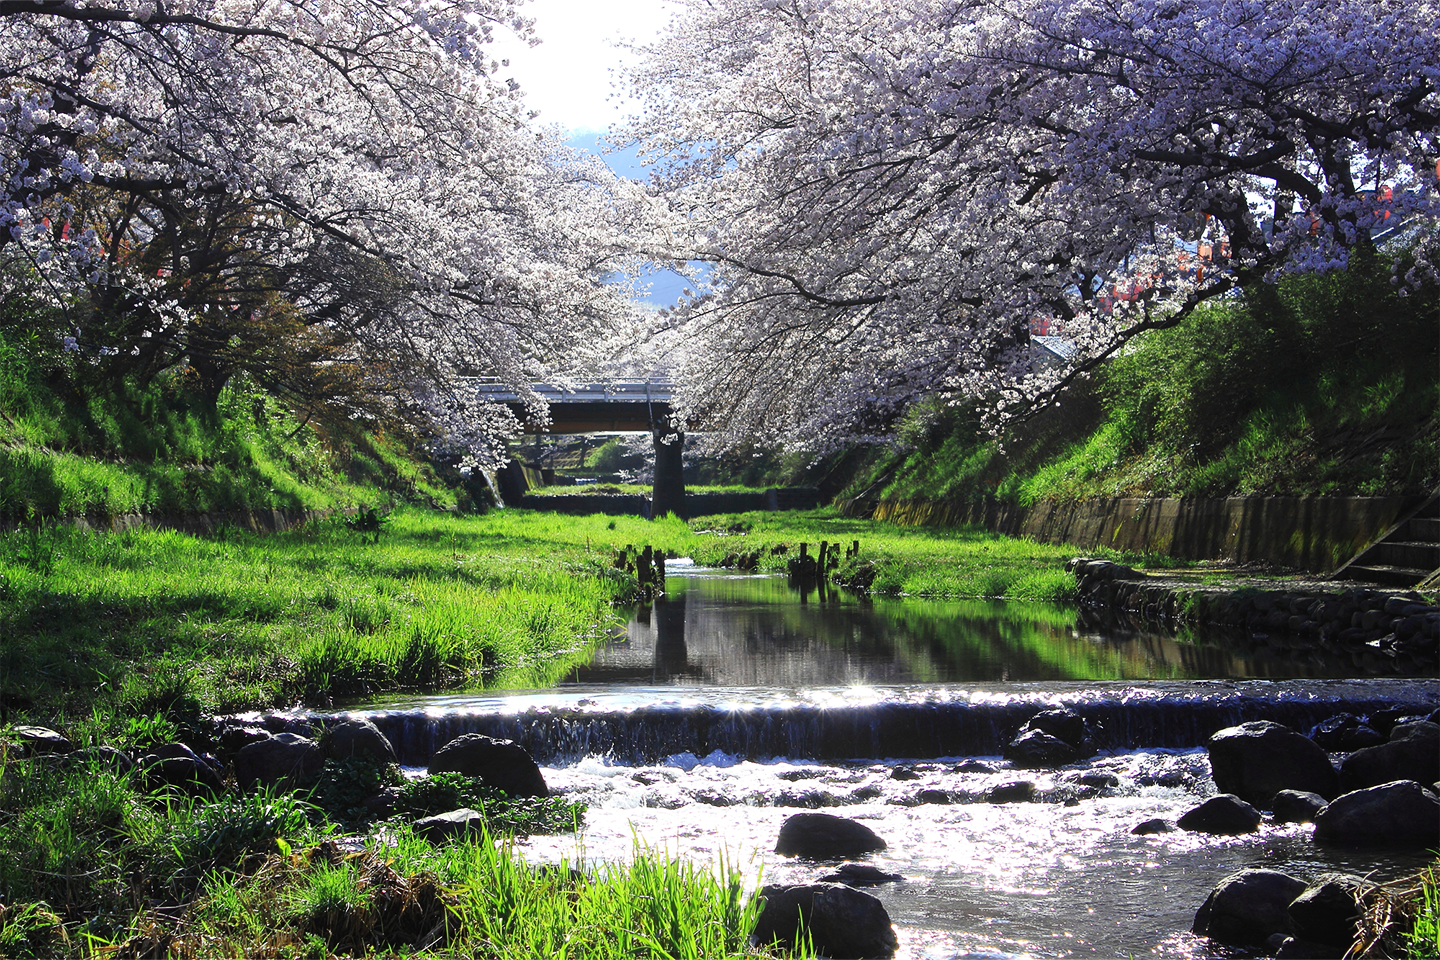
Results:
566 732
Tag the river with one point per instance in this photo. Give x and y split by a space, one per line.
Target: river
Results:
736 701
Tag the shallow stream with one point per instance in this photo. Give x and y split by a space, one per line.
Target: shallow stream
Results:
736 702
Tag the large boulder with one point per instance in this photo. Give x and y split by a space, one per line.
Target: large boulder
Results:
1247 908
236 735
840 920
1223 814
356 738
1402 813
1036 749
1413 755
176 766
824 836
1329 911
286 761
502 764
1257 760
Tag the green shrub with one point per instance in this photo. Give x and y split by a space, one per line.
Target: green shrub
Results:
504 814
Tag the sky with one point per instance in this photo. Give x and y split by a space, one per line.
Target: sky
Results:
569 77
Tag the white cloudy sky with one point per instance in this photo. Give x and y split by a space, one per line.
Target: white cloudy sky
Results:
568 77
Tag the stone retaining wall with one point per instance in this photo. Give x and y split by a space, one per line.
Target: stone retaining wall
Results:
1309 533
1381 632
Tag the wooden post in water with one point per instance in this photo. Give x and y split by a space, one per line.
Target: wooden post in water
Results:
642 567
820 560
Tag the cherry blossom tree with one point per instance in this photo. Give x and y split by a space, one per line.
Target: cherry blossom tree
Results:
199 180
892 198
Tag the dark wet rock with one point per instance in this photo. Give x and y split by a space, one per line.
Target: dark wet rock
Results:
1296 806
357 738
380 805
860 875
236 736
1065 725
1150 827
1257 760
1036 749
1425 729
1402 813
1282 947
1329 910
934 795
649 778
1016 791
502 764
841 921
1415 756
105 758
1225 814
1247 908
36 741
905 772
824 836
448 826
1345 732
286 761
972 766
275 722
1386 720
177 766
1099 779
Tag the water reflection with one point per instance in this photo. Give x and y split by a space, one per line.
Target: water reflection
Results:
725 630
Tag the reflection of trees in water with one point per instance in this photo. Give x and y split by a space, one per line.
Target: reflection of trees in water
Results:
754 631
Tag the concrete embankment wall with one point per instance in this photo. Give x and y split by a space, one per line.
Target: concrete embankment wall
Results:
1311 533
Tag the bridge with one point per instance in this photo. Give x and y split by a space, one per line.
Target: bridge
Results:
620 406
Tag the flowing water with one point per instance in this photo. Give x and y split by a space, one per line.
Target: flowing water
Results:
736 702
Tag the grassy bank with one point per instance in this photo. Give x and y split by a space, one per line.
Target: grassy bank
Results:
1321 385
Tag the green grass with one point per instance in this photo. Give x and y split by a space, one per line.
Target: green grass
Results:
1425 935
1318 386
909 561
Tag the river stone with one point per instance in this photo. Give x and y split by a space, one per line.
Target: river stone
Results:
860 875
502 764
1149 827
1413 757
1296 806
1063 724
1257 760
34 741
447 826
1345 732
1329 910
236 736
1246 908
824 836
1223 814
357 738
1036 749
176 765
841 921
285 761
1018 791
1402 813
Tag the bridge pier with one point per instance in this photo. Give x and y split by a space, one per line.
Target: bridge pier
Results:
668 493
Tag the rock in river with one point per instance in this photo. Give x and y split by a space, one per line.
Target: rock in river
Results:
1257 760
841 921
502 764
1248 907
1402 813
1224 814
824 836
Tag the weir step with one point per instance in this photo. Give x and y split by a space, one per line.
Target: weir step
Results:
1405 555
1386 575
